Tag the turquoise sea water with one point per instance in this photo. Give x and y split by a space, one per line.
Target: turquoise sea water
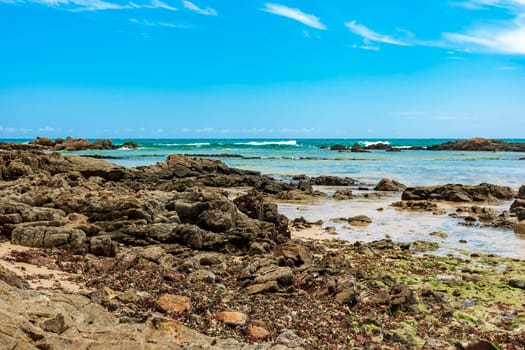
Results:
286 157
283 158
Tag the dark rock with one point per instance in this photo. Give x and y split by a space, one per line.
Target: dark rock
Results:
50 237
103 246
479 144
420 205
521 192
517 284
389 185
459 193
357 148
343 194
339 147
359 220
253 205
305 185
333 181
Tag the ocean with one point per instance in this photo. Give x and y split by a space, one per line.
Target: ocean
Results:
288 157
284 158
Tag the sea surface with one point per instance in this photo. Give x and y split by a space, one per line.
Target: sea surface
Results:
284 158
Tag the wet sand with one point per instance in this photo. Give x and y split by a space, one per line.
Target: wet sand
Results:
404 225
38 277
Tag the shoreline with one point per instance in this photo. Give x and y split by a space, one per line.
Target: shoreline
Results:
198 243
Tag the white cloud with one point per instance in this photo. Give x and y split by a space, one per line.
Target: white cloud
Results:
94 5
503 36
481 4
366 47
208 11
148 23
160 130
295 14
506 38
47 129
371 36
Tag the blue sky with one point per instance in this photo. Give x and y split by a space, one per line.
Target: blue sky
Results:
246 68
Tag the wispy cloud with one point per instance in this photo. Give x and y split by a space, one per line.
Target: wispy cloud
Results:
94 5
366 47
145 22
481 4
371 36
295 14
503 36
506 37
208 11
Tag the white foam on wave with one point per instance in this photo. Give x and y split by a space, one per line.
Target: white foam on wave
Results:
197 144
371 143
268 143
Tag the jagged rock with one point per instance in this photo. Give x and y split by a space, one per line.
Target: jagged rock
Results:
253 205
50 237
389 185
343 194
12 279
333 181
299 254
103 246
521 192
459 193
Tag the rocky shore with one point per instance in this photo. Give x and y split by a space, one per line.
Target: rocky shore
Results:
166 257
477 144
68 144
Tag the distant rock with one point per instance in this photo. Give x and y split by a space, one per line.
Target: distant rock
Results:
389 185
357 148
339 147
479 144
70 144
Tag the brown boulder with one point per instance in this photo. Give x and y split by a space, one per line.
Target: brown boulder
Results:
170 303
389 185
232 318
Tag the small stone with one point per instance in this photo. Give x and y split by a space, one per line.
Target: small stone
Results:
258 332
171 303
55 324
203 275
359 220
439 234
232 318
268 287
462 241
330 230
517 284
